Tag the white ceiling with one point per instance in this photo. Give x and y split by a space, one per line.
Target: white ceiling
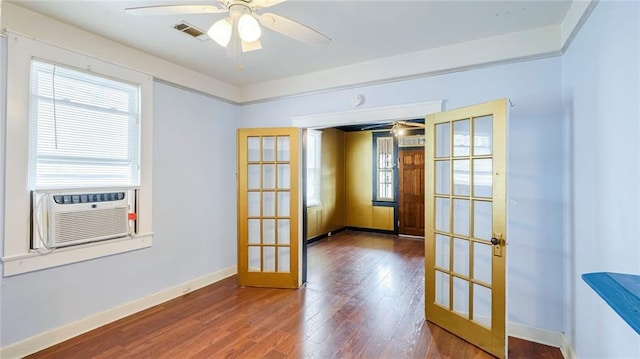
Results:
361 30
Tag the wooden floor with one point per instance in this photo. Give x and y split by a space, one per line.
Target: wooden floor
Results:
364 299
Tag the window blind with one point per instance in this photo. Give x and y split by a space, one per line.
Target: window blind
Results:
84 129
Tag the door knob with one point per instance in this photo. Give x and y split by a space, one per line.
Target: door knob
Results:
498 242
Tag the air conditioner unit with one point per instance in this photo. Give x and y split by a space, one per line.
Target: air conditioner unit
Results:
76 217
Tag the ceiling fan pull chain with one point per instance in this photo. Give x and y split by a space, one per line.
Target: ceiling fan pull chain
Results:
239 65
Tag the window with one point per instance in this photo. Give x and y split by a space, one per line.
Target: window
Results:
84 129
384 169
74 121
314 168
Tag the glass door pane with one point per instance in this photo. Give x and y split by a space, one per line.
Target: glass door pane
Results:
483 135
461 138
482 305
442 289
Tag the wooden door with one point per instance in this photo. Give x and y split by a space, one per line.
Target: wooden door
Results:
411 192
465 247
269 203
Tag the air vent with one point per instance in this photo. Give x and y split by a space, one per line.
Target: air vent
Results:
191 30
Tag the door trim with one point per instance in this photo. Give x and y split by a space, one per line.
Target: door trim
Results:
382 114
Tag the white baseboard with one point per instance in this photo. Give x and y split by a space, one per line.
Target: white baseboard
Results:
543 336
60 334
567 349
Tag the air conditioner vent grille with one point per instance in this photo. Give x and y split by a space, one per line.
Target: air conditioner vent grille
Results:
90 225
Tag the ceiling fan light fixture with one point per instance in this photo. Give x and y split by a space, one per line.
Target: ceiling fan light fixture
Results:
220 32
241 31
397 129
248 28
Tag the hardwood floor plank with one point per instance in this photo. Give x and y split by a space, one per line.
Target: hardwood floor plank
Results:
364 299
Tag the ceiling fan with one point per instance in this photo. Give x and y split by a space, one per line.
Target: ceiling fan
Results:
240 31
398 128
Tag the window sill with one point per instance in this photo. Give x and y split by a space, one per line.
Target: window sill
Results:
314 205
34 261
384 203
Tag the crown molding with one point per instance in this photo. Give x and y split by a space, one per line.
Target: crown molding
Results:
368 115
577 15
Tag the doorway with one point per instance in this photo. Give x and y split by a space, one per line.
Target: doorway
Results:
465 220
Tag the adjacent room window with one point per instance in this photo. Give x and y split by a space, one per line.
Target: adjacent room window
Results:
384 169
314 168
84 129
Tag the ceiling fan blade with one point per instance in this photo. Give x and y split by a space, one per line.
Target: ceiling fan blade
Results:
292 29
412 124
174 10
251 46
370 127
266 3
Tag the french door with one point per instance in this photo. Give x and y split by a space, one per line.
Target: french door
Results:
269 205
465 223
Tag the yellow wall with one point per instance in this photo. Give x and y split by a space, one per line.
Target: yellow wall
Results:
331 214
347 186
360 211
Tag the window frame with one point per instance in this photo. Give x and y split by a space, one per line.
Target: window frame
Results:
17 255
390 169
375 171
396 152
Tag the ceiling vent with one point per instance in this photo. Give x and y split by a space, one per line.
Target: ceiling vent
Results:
191 30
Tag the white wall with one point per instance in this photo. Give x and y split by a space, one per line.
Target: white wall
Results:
537 157
194 224
601 86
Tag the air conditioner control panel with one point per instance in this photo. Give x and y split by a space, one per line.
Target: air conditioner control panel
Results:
88 198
